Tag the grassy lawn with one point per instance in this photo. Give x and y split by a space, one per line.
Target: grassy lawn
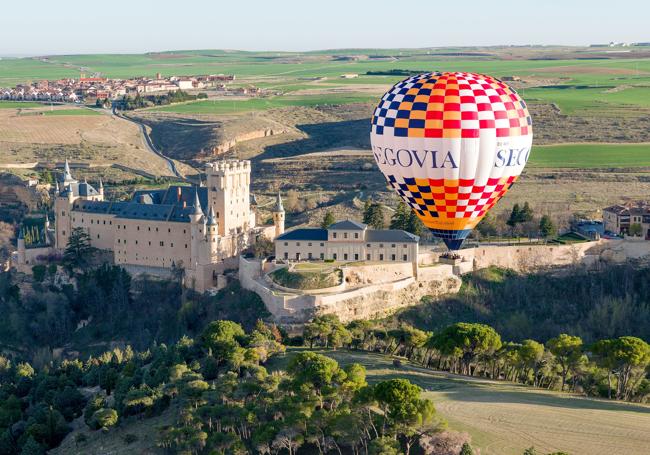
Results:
505 419
305 279
590 156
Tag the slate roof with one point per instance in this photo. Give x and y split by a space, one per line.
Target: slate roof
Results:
171 204
80 189
348 225
315 234
390 235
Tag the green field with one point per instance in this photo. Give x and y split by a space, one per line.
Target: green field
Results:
18 104
577 86
505 419
72 112
257 104
590 156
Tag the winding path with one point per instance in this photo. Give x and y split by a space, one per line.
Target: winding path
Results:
149 143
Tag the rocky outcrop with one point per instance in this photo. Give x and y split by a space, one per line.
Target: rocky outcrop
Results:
226 146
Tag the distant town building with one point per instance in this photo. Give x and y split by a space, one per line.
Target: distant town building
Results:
619 218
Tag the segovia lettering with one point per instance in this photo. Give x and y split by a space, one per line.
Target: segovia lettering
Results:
435 159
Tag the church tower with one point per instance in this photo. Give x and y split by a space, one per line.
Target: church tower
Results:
278 216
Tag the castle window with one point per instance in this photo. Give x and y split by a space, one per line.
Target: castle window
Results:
334 256
138 228
381 257
322 244
149 242
286 255
169 230
345 256
334 235
356 235
356 256
345 235
92 222
118 241
322 256
368 245
381 245
172 245
368 257
405 245
118 226
125 241
104 221
310 256
63 232
97 235
392 257
286 243
297 243
162 243
136 242
63 213
393 245
186 246
309 244
110 223
156 229
405 258
184 231
149 228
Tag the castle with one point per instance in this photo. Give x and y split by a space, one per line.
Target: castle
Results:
201 229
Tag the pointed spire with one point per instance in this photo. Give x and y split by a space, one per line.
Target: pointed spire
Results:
67 175
21 234
56 187
212 219
197 203
278 204
101 184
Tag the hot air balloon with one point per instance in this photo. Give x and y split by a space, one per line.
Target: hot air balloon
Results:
451 145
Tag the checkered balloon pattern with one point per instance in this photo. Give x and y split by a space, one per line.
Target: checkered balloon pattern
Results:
451 145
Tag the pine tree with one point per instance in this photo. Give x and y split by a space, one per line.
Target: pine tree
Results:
374 215
514 216
79 251
546 227
399 220
526 213
328 220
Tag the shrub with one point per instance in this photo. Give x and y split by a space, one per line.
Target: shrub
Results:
104 418
39 272
130 438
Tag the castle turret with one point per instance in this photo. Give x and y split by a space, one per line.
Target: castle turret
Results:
100 189
278 216
67 175
212 237
197 229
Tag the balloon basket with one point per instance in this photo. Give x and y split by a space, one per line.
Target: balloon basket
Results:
450 258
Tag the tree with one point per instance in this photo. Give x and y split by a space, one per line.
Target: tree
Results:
525 214
630 357
567 350
399 219
328 330
466 449
78 252
531 354
404 413
328 220
222 338
263 247
373 215
635 230
547 227
514 216
467 341
104 418
384 445
317 373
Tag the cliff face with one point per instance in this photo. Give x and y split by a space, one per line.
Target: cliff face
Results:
225 146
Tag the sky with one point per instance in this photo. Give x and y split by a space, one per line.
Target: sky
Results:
41 27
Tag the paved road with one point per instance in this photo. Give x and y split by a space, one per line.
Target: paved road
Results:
149 143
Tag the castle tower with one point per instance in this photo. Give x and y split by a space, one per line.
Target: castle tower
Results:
278 216
197 230
228 192
62 207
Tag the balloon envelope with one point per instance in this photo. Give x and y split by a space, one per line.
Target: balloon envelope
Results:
451 145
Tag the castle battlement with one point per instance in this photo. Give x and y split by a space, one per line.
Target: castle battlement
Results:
228 167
